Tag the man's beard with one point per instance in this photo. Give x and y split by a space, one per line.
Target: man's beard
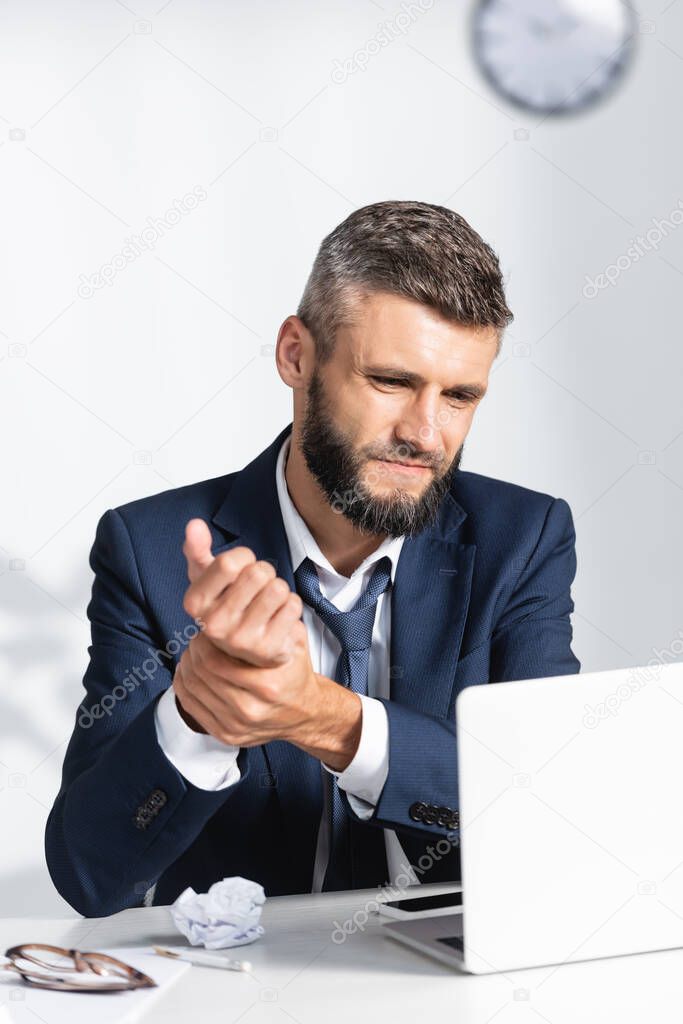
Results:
337 466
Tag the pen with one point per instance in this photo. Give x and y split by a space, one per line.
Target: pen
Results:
205 959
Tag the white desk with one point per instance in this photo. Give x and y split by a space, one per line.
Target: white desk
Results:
301 975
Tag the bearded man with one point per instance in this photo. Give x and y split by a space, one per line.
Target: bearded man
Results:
276 653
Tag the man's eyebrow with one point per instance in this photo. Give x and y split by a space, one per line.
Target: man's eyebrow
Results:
474 390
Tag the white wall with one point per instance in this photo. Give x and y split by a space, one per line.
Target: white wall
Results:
173 358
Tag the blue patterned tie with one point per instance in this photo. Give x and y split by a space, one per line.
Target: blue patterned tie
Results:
353 630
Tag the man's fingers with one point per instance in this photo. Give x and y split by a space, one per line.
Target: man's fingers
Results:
222 571
197 548
190 704
241 617
283 632
224 710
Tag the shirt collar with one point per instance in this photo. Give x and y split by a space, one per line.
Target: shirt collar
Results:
302 543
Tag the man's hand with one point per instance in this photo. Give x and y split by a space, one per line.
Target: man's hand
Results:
247 677
241 604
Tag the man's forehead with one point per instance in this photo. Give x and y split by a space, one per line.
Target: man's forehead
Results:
420 353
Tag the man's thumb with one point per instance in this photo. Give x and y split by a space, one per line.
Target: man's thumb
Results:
197 548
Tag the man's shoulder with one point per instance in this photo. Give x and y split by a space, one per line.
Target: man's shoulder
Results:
476 487
188 501
490 503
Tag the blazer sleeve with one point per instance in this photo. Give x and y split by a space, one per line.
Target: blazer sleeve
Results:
531 639
123 813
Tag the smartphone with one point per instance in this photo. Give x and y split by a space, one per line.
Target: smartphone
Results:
424 906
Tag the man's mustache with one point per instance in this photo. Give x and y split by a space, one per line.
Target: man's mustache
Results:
412 459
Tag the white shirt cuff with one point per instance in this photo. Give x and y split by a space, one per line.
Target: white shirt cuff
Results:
363 779
201 759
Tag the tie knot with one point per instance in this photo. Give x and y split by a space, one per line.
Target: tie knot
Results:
353 629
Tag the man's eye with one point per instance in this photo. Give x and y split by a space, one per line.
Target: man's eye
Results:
461 398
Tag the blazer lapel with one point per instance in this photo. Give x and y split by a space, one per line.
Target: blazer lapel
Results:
429 604
251 512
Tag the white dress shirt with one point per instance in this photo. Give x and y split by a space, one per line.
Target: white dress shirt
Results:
210 764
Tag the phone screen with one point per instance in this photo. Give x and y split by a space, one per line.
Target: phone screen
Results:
449 899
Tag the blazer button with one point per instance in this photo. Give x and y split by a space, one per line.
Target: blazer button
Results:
149 808
157 798
444 815
430 815
417 810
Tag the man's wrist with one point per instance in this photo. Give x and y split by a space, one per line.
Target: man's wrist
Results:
332 732
188 719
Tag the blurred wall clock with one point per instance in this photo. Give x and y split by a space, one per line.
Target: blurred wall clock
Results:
553 56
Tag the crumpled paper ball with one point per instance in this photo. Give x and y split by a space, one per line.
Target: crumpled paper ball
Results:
227 915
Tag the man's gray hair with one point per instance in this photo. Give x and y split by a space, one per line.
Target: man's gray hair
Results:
423 252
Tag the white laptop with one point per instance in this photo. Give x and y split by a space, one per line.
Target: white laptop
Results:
571 812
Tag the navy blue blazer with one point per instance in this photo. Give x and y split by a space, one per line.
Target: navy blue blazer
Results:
481 596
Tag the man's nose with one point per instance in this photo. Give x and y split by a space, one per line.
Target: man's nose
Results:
420 425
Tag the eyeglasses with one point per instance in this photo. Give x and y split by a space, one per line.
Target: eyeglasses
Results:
71 970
